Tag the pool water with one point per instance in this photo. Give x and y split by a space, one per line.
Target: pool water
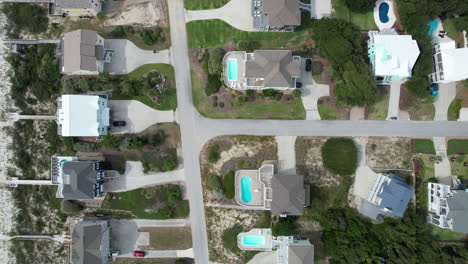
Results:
232 69
432 26
246 192
254 240
383 12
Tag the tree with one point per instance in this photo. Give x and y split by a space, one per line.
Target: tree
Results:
247 45
170 163
360 6
110 142
213 84
173 195
215 61
213 153
339 155
214 184
26 18
285 226
228 183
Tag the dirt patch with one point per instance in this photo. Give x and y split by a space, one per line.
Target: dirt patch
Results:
417 109
389 152
168 238
309 163
137 12
218 220
232 149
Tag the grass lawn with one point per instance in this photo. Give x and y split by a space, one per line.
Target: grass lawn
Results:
169 238
429 171
446 234
146 203
212 33
458 167
451 29
326 113
170 97
378 110
454 109
457 146
204 4
254 110
362 21
420 111
422 146
144 261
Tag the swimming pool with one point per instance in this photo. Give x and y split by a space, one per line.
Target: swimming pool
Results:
246 192
383 12
232 69
254 240
433 25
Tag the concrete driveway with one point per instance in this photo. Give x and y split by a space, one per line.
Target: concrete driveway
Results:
135 178
137 115
286 154
127 57
236 13
311 92
442 170
394 101
447 93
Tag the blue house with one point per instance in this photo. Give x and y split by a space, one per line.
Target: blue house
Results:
389 197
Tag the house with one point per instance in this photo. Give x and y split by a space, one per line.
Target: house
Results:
77 179
83 115
448 206
389 197
282 194
81 8
449 63
391 56
277 15
90 242
300 252
83 53
262 69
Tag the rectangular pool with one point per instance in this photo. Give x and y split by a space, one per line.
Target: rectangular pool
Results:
254 240
232 69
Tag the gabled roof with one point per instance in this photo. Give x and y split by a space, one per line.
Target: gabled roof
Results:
89 240
282 12
458 210
79 178
276 67
301 252
288 194
79 51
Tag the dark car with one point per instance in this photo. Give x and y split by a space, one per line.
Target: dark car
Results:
119 123
434 89
139 254
308 65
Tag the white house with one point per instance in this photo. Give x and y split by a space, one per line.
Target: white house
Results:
83 115
392 56
450 63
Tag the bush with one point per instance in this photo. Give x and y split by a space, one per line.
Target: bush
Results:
228 183
213 153
241 99
221 104
340 155
297 93
151 36
52 137
215 61
84 147
250 92
214 183
360 6
247 45
69 207
230 238
156 139
278 96
213 84
285 226
26 18
244 164
169 163
317 67
110 142
173 195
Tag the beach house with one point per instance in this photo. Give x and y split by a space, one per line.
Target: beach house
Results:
449 63
90 242
276 15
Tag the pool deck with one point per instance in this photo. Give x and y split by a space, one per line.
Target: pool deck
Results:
391 15
240 56
263 232
260 186
436 39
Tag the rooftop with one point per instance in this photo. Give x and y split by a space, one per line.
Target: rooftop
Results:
282 12
289 195
79 179
90 243
81 51
454 62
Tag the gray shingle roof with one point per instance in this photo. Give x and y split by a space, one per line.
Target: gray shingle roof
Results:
288 194
88 239
79 51
276 67
301 253
282 12
458 211
76 3
79 178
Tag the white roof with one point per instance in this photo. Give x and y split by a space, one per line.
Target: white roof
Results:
454 63
78 115
395 55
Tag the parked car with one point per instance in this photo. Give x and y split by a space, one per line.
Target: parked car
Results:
308 65
119 123
114 253
434 89
139 254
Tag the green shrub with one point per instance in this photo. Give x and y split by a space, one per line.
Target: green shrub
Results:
69 207
110 142
360 6
26 18
228 183
173 195
285 226
213 84
297 93
247 45
214 183
215 104
229 238
169 163
221 104
213 153
250 92
156 139
84 147
215 61
244 164
340 155
241 99
52 137
151 36
278 96
317 67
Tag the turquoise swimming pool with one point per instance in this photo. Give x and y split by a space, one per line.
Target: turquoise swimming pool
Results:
232 69
254 240
246 192
432 26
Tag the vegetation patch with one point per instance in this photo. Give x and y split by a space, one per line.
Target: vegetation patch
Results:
379 109
360 13
25 19
389 153
168 238
457 146
422 146
339 155
454 109
204 4
459 166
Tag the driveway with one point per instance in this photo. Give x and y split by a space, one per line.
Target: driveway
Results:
286 154
137 115
135 178
311 92
447 93
320 8
442 170
394 101
127 57
236 13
